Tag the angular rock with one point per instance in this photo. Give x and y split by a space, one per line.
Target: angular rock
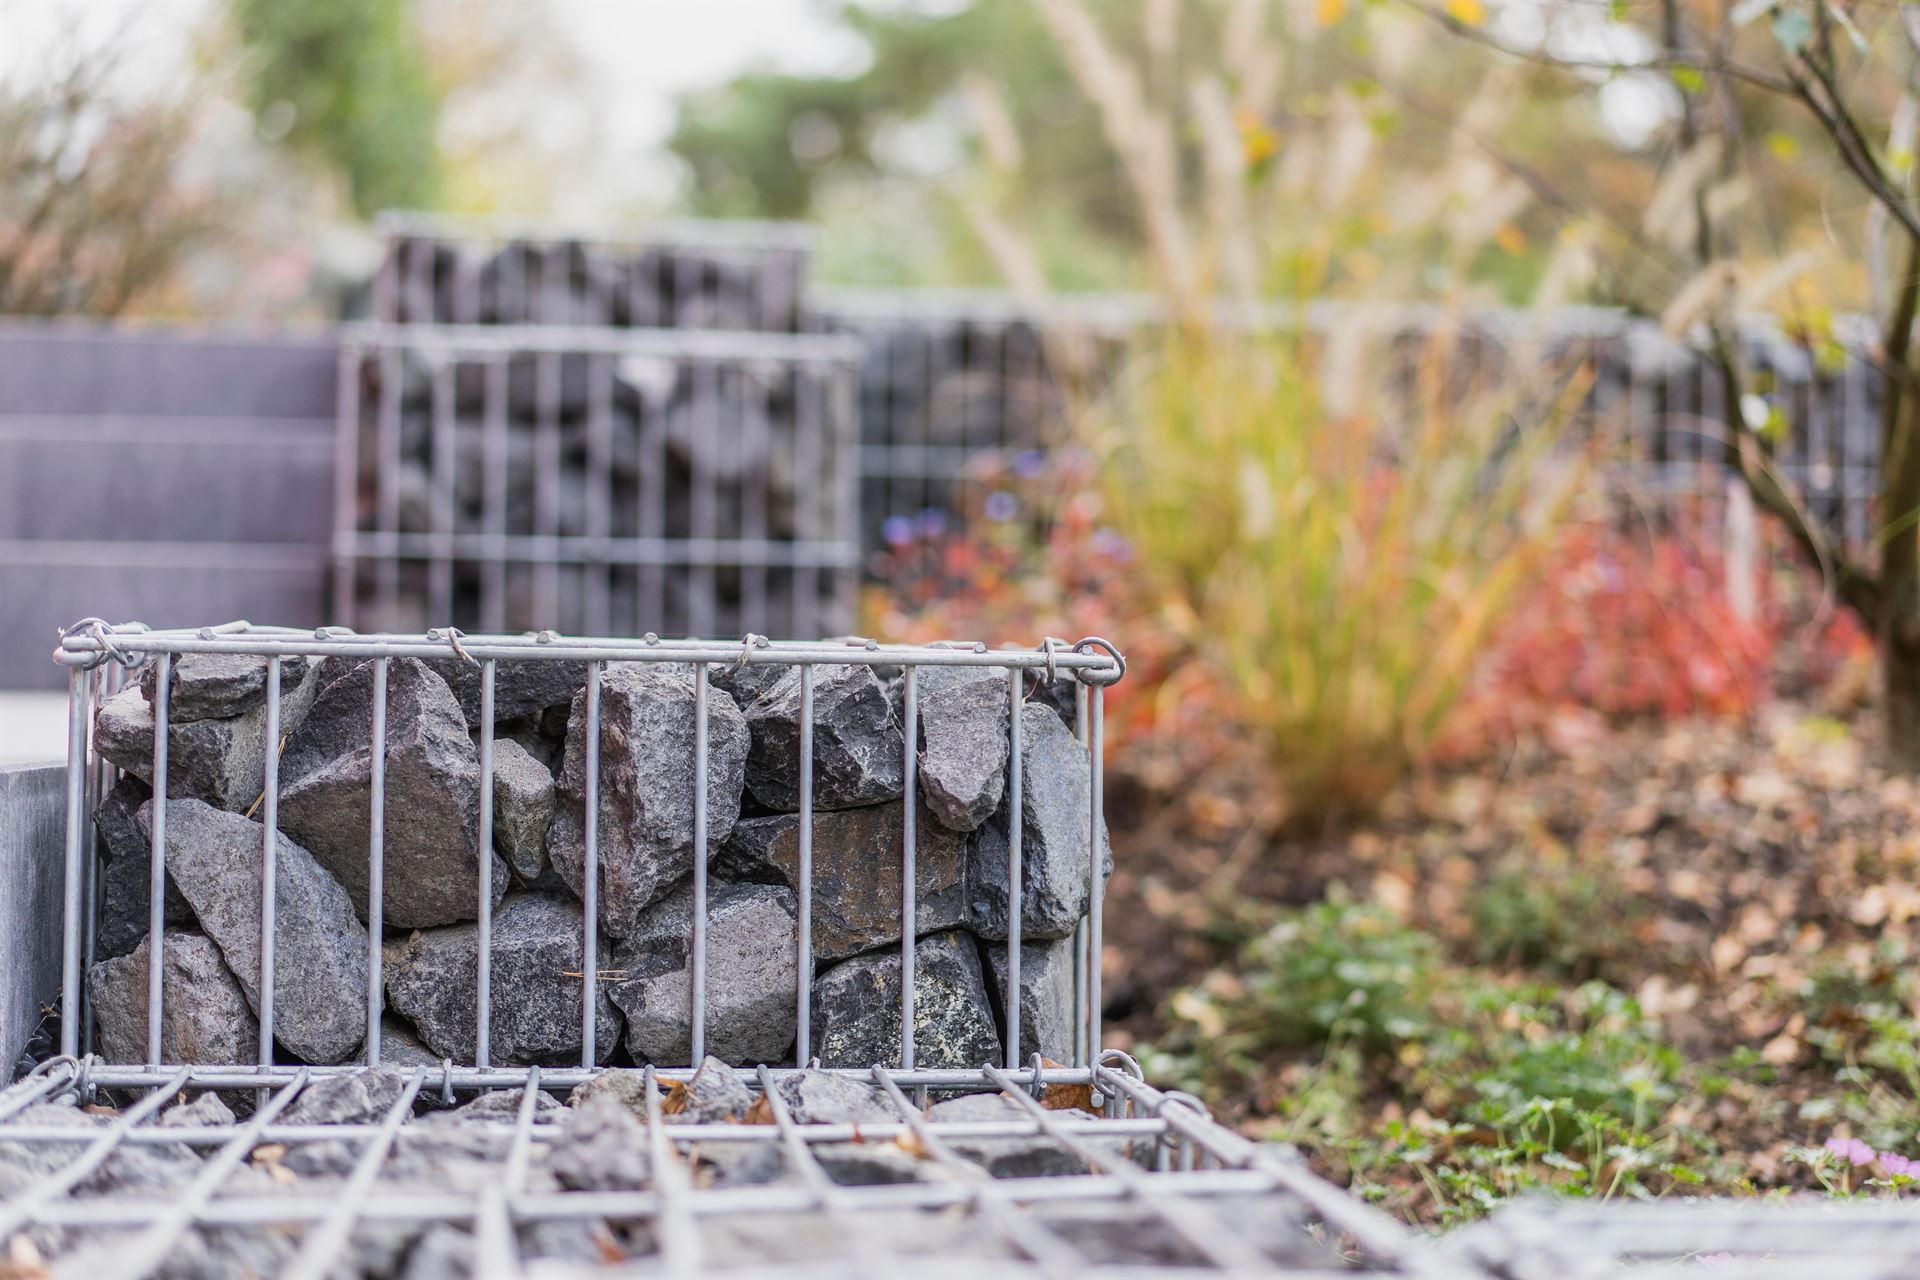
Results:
625 1085
857 742
746 684
320 948
400 1047
431 981
714 1094
205 1110
519 688
442 1253
1035 1157
963 762
601 1146
522 808
857 867
352 1097
204 1015
820 1097
498 1105
870 1164
432 795
214 686
125 877
752 971
1046 996
1053 852
223 762
646 787
856 1008
739 1164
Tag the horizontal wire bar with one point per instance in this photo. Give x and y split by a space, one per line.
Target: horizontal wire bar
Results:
586 549
482 341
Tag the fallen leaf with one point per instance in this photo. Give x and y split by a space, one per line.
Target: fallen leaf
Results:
761 1112
1066 1097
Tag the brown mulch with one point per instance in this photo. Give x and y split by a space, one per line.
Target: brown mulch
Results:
1744 855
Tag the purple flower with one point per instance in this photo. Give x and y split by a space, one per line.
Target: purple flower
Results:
1001 506
897 530
932 522
1111 545
1899 1166
1852 1150
1029 463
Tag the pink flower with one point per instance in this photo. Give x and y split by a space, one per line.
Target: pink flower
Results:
1714 1261
1899 1166
1852 1150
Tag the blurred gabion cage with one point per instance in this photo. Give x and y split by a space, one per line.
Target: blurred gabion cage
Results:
595 480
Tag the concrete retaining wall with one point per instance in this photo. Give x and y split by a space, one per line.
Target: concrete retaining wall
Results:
33 827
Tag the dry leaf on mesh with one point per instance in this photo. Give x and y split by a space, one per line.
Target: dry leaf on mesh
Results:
910 1143
676 1100
1066 1097
761 1112
23 1260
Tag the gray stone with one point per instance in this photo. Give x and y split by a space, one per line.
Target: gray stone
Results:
714 1094
497 1106
205 1110
1046 996
126 877
204 1015
963 762
223 762
746 684
856 1008
601 1146
857 867
1116 1234
1053 850
738 1164
432 981
351 1097
400 1047
752 971
646 787
444 1253
432 795
214 686
820 1097
870 1164
519 688
320 949
858 747
625 1085
1035 1157
522 808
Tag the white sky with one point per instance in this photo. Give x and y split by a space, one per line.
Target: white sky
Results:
641 52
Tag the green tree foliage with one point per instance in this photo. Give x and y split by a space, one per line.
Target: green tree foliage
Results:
347 82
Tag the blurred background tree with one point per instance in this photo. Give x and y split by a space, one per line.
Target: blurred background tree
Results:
347 82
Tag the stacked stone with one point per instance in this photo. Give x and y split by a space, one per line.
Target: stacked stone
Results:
645 852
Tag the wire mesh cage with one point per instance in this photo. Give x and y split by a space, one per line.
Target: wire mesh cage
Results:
603 480
735 275
463 1159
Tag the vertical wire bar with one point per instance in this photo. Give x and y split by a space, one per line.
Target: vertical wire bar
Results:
702 500
376 859
269 860
597 573
909 856
483 939
346 485
590 877
442 501
493 461
546 489
803 959
157 866
1097 883
652 586
757 444
98 777
808 492
1080 1055
387 485
78 687
698 993
845 427
1016 902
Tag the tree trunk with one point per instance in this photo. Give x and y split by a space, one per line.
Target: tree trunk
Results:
1898 629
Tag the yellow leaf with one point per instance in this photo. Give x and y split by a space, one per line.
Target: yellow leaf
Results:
1330 10
1467 12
